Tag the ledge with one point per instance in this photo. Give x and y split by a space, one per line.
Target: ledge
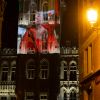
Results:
90 77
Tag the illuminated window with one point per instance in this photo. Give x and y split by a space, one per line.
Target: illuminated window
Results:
5 68
30 70
63 73
44 69
43 96
13 71
29 96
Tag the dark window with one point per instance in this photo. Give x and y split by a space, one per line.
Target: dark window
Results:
73 96
29 96
32 17
65 73
30 71
3 98
13 75
44 69
13 98
44 72
73 76
65 96
4 72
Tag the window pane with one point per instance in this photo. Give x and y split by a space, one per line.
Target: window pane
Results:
13 76
4 76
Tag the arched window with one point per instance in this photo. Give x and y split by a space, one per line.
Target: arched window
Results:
73 65
64 70
73 95
65 96
5 69
30 69
33 9
45 11
44 64
13 71
73 70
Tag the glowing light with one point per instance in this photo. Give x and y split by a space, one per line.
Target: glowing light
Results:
92 15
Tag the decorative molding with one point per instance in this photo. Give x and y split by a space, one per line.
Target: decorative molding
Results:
8 51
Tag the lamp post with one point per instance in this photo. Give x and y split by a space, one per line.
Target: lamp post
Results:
92 16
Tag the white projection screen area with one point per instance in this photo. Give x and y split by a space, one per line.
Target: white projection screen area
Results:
38 26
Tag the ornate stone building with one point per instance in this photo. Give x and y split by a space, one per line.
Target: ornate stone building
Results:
69 74
7 74
46 75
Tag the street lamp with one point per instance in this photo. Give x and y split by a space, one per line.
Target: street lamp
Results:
92 16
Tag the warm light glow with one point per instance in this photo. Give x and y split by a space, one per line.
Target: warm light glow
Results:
92 15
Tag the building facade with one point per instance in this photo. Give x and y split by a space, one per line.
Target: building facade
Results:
40 70
89 46
7 74
69 74
37 77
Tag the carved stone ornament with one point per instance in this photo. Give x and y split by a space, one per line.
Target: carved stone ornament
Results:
2 7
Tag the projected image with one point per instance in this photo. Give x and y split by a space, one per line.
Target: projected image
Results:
38 31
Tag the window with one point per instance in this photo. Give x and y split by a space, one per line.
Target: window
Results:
30 70
64 70
89 60
3 98
44 41
73 74
44 69
5 71
13 71
65 73
45 11
72 95
65 96
29 96
13 98
43 96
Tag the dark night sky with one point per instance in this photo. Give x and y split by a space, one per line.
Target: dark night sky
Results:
69 22
9 32
68 27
